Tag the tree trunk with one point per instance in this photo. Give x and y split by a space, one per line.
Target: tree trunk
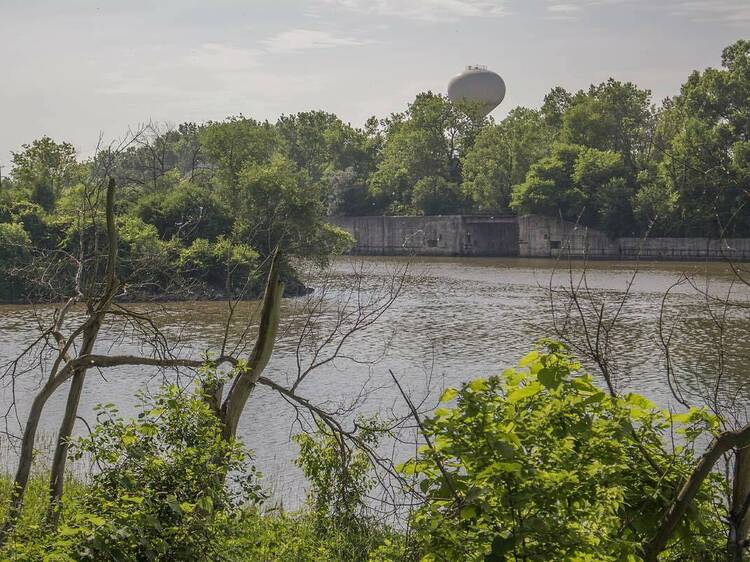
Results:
244 382
739 520
57 475
96 313
26 459
722 444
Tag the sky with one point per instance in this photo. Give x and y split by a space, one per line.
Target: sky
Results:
79 70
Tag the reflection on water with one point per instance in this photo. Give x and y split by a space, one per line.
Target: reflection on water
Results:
455 319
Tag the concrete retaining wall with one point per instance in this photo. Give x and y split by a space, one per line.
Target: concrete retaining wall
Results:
526 236
549 237
452 235
735 249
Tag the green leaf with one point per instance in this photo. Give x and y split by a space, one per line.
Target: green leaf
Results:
501 545
129 439
468 512
69 531
594 398
448 395
478 385
640 401
550 377
528 359
174 504
187 507
96 520
524 392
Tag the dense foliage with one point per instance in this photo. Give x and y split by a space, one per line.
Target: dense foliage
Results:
540 464
536 464
199 209
204 200
158 491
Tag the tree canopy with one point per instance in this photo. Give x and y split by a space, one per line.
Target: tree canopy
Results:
605 155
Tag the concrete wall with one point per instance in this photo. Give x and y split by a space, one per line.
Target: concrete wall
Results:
451 235
549 237
736 249
525 236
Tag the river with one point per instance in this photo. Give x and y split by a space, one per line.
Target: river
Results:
454 319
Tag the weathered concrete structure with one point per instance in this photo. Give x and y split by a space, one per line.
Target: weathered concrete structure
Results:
453 235
526 236
549 237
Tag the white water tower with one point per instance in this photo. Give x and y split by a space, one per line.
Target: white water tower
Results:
479 86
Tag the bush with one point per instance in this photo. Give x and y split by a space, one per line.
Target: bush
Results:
542 465
160 492
340 479
215 262
15 247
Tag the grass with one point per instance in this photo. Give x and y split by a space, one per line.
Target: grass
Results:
256 536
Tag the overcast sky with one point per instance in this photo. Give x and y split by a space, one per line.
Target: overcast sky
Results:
74 69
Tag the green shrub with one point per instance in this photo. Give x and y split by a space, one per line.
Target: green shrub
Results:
15 248
214 262
340 478
159 493
542 465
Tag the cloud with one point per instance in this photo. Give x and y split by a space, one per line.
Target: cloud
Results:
575 9
564 8
295 40
424 10
729 11
721 11
221 56
203 75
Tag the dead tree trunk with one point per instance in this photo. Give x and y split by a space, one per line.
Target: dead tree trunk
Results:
97 309
739 520
721 445
57 475
64 367
249 373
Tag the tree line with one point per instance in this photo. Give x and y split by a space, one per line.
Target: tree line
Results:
218 195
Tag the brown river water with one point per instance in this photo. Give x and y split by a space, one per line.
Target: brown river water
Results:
454 319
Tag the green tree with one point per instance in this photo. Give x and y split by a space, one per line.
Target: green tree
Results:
187 210
435 195
306 142
612 116
705 158
336 157
549 188
502 155
348 194
556 103
429 140
238 142
276 205
576 182
15 249
43 169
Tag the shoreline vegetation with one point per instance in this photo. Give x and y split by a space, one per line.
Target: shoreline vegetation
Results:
560 470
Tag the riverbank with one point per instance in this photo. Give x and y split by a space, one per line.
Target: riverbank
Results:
531 236
293 287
